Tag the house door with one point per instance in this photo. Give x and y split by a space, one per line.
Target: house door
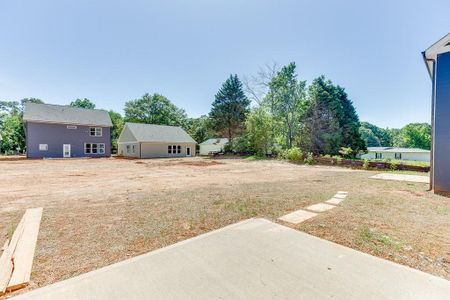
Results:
188 151
66 150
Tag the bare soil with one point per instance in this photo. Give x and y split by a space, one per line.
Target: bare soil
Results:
101 211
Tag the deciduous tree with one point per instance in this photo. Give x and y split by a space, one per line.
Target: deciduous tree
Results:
154 109
199 128
117 127
259 130
286 101
83 103
414 135
13 135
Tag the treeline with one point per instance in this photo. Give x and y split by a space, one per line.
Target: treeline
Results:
318 118
413 135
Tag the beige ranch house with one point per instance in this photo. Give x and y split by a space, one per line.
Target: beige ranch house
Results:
151 141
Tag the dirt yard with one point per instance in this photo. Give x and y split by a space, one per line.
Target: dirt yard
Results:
101 211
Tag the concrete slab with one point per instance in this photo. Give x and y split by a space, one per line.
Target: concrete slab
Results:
334 201
342 192
320 207
402 177
254 259
297 216
340 196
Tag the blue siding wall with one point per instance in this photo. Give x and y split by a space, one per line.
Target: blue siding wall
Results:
55 135
441 170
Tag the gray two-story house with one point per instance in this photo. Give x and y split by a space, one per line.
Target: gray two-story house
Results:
63 131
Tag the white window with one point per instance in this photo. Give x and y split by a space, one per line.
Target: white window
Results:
94 148
378 155
95 131
128 149
398 156
134 149
43 147
71 127
174 149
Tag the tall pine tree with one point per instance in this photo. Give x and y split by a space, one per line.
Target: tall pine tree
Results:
331 121
229 108
349 123
321 132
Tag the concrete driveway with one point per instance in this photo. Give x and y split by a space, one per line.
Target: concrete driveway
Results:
253 259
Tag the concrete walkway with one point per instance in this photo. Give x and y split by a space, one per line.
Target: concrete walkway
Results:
402 177
301 215
253 259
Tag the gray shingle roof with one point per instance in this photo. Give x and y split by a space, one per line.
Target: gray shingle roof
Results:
49 113
396 149
215 141
159 133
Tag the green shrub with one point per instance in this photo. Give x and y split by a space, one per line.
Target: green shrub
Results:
227 148
310 159
282 154
294 154
394 166
346 152
338 159
366 164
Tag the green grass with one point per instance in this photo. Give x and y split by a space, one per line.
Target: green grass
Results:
377 241
255 157
443 210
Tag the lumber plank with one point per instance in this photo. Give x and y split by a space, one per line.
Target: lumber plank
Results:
6 264
24 252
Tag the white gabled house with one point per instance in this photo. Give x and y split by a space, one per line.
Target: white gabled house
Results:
397 153
214 145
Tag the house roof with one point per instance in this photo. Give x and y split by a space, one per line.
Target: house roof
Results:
50 113
215 141
429 55
159 133
397 150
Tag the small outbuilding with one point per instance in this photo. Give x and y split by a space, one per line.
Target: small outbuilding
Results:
151 141
214 145
396 153
437 60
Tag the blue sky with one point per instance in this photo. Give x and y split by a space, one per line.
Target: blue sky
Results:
115 51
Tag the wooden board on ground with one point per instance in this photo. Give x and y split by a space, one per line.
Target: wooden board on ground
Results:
24 254
6 265
17 259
